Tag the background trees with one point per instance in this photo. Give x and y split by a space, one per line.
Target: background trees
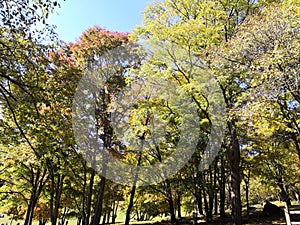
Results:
249 50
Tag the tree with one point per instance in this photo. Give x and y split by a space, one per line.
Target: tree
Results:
23 184
260 61
23 58
198 26
92 52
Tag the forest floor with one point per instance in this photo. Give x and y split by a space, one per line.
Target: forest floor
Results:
255 218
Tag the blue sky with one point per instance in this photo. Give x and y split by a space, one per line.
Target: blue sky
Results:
75 16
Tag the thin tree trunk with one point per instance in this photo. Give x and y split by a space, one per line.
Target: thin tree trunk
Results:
130 206
132 193
108 216
222 188
247 183
210 195
115 211
104 218
216 176
82 216
179 205
89 198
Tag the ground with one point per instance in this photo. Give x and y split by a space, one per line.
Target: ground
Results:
255 218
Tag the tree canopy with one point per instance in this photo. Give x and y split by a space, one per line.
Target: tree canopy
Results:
206 92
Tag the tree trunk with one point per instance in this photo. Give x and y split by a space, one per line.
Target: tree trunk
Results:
210 195
42 222
103 119
104 218
79 219
222 188
179 205
171 202
38 185
132 193
233 154
115 211
206 205
216 177
82 216
108 216
99 201
199 202
89 198
30 209
56 197
247 183
130 206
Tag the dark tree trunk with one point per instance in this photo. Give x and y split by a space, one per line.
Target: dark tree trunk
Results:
247 183
206 207
233 154
179 205
56 196
199 202
132 193
99 202
171 203
104 218
222 188
210 195
103 119
79 220
216 177
130 206
198 191
115 211
82 216
38 183
30 209
89 198
42 222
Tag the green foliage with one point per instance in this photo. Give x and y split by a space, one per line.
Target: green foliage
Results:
247 49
